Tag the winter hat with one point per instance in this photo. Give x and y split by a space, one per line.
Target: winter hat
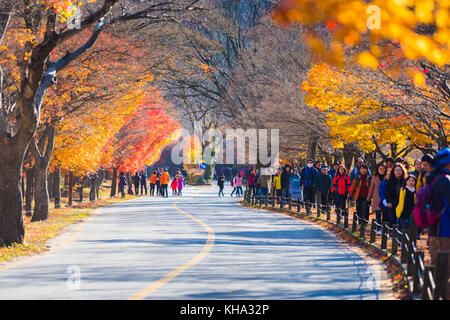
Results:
442 157
324 167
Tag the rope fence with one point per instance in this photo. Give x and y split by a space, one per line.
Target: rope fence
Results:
427 282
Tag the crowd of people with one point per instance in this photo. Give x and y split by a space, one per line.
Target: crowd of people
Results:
389 192
159 183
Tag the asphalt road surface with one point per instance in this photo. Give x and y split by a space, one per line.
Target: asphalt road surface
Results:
197 246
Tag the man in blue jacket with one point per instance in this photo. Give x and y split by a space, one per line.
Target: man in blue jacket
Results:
307 176
440 202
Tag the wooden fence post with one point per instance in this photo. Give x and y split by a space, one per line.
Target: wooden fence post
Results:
394 244
373 227
298 205
384 236
345 219
404 257
427 292
354 222
290 203
362 229
441 276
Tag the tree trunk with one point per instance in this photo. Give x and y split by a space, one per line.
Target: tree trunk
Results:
50 178
42 154
312 148
101 177
81 188
92 192
41 198
57 187
29 194
11 221
114 182
348 156
70 181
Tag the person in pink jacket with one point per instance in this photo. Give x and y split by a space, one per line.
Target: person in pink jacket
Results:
180 184
238 185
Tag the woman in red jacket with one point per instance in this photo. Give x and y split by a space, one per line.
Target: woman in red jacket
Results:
341 188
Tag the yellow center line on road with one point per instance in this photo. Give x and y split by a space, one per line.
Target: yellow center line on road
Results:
174 273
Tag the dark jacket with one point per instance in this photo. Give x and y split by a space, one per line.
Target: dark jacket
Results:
322 183
221 182
136 180
393 187
285 179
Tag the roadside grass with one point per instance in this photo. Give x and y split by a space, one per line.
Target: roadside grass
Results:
38 233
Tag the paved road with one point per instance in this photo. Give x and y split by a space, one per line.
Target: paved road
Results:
194 247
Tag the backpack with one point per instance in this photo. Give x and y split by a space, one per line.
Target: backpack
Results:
424 215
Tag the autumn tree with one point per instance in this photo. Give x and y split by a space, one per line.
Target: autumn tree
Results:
44 29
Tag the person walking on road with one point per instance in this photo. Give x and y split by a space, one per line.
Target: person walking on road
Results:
285 175
221 184
395 180
143 181
374 196
174 186
294 186
136 183
238 184
277 184
322 187
165 179
180 184
341 189
153 183
122 184
360 191
307 176
439 234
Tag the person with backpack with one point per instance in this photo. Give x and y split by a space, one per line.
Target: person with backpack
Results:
221 184
307 176
374 196
341 188
396 178
432 209
122 184
405 206
277 184
360 191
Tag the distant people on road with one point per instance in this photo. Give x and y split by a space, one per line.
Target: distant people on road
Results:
180 184
153 179
221 184
174 186
238 184
143 182
396 178
136 182
165 179
122 184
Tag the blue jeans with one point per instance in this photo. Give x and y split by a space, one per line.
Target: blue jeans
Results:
378 218
239 191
